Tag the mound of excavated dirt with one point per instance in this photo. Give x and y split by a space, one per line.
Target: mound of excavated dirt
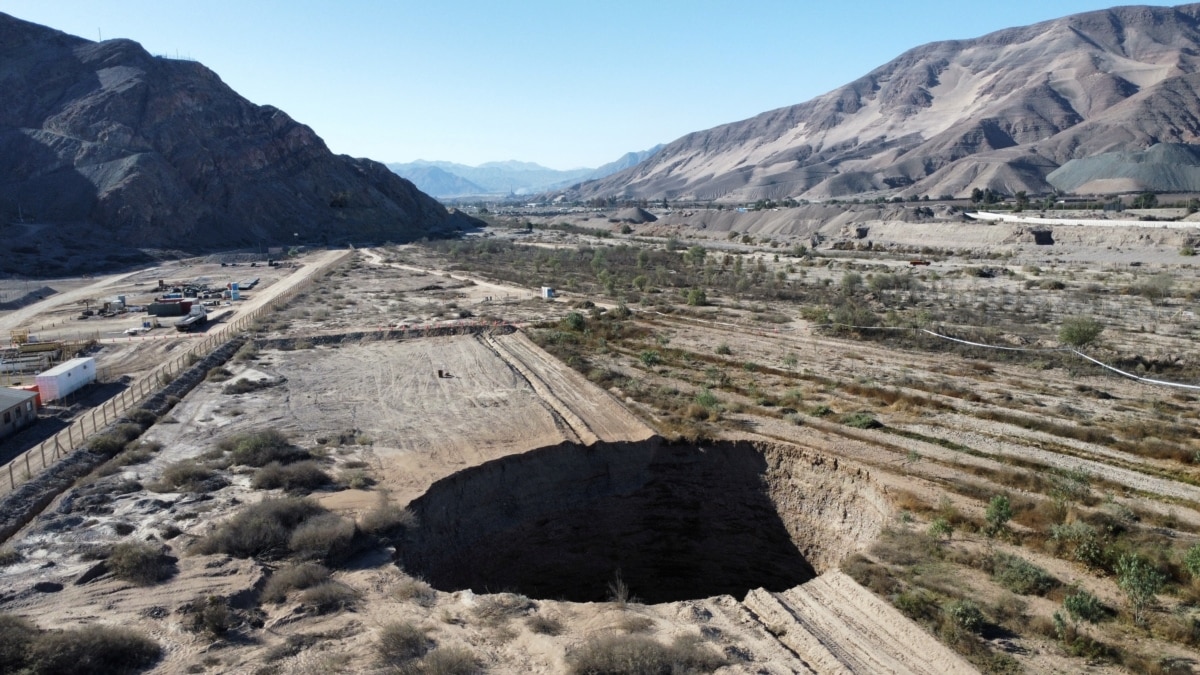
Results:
635 216
673 521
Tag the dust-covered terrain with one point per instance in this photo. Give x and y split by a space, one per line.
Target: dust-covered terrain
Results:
731 454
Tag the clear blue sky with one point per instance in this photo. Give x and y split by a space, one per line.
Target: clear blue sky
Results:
564 83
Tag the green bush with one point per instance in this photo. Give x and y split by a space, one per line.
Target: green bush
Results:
1079 331
139 562
639 654
965 615
260 530
91 649
1083 606
1191 561
861 420
1021 576
303 476
293 577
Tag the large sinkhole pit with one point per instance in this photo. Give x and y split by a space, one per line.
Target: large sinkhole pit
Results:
675 521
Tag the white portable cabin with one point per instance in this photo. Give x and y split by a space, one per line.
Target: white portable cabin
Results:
547 292
66 378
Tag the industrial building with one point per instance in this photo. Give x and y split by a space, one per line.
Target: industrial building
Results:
66 378
18 409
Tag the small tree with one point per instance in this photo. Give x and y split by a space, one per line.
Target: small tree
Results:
1140 583
1079 331
999 512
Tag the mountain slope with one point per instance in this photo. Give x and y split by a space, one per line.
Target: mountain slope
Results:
103 140
1002 111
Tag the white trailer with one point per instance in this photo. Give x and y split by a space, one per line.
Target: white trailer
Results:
66 378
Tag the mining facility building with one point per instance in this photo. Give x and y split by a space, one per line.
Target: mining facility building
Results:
17 410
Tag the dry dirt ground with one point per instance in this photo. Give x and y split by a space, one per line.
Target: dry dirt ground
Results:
950 428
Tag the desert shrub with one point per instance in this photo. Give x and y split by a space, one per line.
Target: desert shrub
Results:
106 444
545 625
1021 576
139 562
323 537
964 615
1079 331
18 634
293 577
329 596
141 416
245 386
723 349
1191 561
303 476
402 641
211 616
706 399
450 661
386 519
246 352
355 479
409 588
639 655
9 556
260 530
500 607
260 448
187 476
218 374
1083 606
861 420
91 649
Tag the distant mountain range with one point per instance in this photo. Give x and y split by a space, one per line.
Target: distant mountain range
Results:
447 179
104 145
1073 104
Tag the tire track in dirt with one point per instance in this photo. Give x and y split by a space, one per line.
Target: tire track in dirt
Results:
592 414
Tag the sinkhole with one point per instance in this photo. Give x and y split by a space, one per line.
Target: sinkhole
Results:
674 521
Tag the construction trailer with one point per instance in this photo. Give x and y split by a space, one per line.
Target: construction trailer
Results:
18 409
547 292
66 378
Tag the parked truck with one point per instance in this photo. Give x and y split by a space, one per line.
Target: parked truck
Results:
196 317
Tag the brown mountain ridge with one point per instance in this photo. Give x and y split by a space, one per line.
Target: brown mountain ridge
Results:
1003 111
101 141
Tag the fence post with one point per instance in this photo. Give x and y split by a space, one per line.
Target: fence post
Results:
70 436
12 483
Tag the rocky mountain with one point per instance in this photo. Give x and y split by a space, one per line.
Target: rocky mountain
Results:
102 142
448 179
1003 111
